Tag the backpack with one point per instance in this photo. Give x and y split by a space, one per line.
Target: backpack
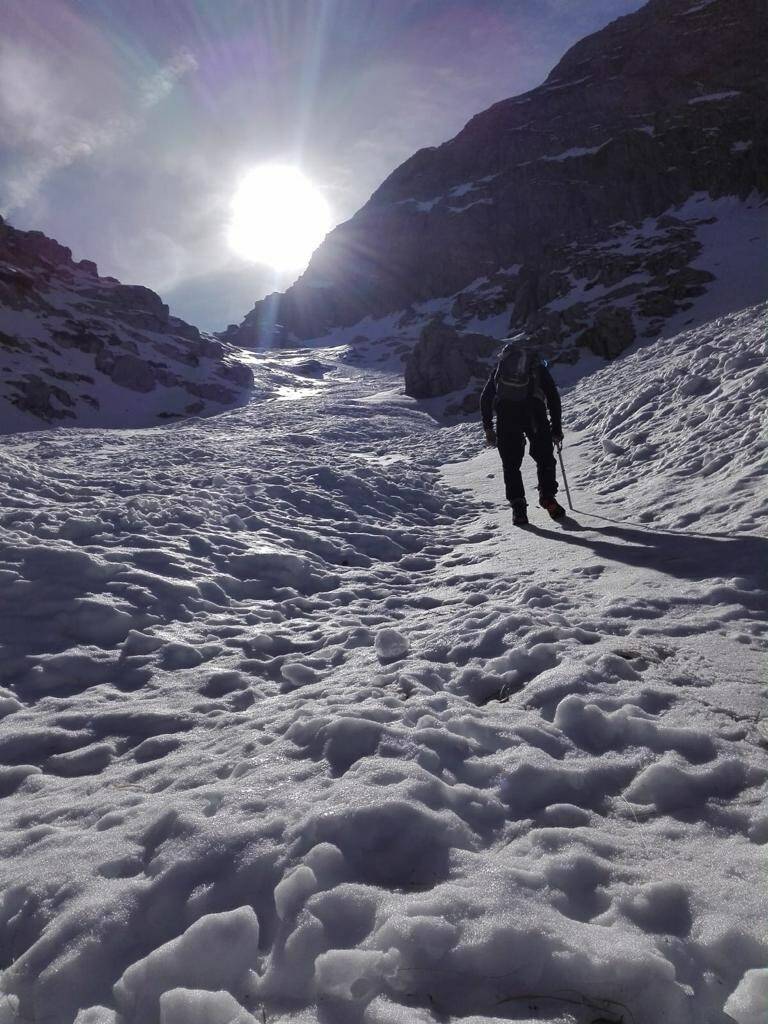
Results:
516 377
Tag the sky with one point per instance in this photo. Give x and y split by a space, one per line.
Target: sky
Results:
125 127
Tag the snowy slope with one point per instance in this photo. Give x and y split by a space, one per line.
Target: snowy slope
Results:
697 261
296 728
78 349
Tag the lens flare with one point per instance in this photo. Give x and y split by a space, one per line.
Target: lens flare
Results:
278 217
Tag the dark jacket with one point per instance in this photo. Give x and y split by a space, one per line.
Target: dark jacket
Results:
546 385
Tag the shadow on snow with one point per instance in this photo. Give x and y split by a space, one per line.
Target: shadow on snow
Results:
691 556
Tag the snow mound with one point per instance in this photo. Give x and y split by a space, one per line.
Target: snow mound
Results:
681 442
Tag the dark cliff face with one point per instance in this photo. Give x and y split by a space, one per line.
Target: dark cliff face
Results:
633 121
80 349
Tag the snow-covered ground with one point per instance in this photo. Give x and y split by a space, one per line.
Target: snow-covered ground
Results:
298 728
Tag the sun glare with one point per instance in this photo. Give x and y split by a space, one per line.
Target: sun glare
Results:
278 217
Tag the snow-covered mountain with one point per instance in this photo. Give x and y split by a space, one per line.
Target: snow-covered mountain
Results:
593 210
295 727
300 731
79 349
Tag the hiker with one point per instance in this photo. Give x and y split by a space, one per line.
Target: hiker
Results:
520 391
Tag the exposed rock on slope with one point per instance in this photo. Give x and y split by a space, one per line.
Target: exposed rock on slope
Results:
79 349
571 184
445 360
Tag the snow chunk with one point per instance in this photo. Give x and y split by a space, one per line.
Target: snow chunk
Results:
748 1004
138 642
352 973
188 1006
8 703
391 644
97 621
669 787
270 569
292 892
76 529
695 384
327 863
392 842
179 655
216 952
93 1015
12 777
611 448
298 674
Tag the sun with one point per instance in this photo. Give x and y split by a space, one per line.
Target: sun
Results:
278 217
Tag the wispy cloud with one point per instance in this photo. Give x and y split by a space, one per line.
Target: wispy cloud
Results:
36 120
159 85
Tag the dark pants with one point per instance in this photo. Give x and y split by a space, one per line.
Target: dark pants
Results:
513 426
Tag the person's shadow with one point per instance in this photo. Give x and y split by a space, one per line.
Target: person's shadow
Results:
688 556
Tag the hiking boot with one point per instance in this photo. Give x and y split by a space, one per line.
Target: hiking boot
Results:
519 513
553 507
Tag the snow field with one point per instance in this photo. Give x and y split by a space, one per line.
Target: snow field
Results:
295 732
683 444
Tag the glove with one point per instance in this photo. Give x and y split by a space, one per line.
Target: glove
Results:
490 437
557 437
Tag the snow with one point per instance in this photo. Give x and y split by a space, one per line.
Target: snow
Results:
126 369
575 151
495 326
582 290
215 953
749 1003
390 644
467 206
714 96
462 189
732 246
422 205
295 728
699 6
564 85
731 233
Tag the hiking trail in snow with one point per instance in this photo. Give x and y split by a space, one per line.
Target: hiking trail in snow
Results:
297 727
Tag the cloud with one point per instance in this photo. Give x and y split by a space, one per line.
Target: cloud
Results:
155 88
44 135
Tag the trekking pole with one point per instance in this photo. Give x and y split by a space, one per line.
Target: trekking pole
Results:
565 478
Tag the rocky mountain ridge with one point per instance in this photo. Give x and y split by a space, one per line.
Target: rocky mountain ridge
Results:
558 211
80 349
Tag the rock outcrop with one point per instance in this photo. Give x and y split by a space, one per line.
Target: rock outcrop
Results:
444 360
79 349
553 211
